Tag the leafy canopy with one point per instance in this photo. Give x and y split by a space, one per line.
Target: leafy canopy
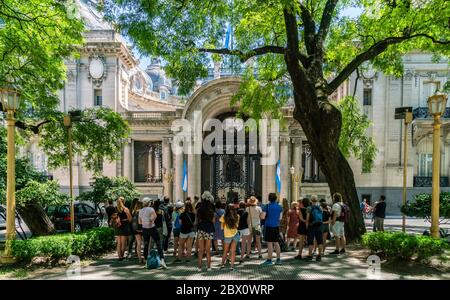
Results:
37 37
326 45
97 135
43 193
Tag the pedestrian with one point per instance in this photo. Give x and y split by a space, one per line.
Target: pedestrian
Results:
137 231
122 227
314 219
293 221
255 214
273 213
132 236
147 217
160 220
284 218
218 231
230 222
110 210
379 212
205 232
168 210
187 233
326 217
195 242
337 223
244 232
302 231
179 206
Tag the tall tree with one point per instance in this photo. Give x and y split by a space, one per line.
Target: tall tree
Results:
309 43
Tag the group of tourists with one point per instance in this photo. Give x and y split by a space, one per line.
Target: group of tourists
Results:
236 227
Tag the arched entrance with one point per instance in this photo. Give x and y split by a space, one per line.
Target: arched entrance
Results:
231 174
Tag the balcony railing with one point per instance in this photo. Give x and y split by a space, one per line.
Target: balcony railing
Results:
422 113
426 181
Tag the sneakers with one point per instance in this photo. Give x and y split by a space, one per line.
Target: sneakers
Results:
199 269
208 269
268 262
335 252
318 258
278 262
342 251
163 264
231 268
222 266
309 257
299 257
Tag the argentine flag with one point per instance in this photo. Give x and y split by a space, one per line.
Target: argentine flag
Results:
184 183
278 177
227 37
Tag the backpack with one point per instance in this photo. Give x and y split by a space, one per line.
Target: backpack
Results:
153 260
317 215
345 213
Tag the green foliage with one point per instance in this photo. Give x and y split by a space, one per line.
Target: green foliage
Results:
404 246
110 188
96 136
24 170
421 206
354 140
44 193
38 36
88 243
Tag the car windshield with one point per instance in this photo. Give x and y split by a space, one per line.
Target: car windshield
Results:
64 209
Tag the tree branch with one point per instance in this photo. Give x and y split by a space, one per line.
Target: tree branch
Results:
326 19
33 128
244 56
372 52
309 28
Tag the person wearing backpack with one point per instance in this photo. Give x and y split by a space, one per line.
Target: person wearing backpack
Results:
340 213
168 210
187 232
176 225
314 221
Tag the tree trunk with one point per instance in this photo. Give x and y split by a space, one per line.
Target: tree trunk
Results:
322 129
36 219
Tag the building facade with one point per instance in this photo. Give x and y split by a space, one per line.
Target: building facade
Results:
108 74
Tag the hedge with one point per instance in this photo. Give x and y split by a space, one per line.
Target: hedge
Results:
88 243
404 246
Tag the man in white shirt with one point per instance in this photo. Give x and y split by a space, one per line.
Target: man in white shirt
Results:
147 217
337 224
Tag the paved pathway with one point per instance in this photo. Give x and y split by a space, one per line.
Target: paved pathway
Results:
349 266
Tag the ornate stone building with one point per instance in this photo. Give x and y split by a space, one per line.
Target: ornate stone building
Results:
107 73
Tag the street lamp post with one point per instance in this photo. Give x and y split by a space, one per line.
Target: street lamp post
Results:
68 124
436 108
10 99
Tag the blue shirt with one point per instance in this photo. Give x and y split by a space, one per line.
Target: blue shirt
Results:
273 211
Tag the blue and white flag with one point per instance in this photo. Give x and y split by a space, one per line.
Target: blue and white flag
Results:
227 37
278 177
184 183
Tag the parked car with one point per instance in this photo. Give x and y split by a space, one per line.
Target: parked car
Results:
85 217
22 230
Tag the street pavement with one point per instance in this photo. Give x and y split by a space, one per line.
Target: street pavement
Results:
352 265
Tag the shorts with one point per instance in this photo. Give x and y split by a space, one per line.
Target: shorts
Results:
272 234
315 232
338 229
256 230
244 232
235 238
325 228
301 230
187 235
202 235
176 232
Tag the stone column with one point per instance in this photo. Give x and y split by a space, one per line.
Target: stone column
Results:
149 163
296 163
178 165
284 167
127 159
167 167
